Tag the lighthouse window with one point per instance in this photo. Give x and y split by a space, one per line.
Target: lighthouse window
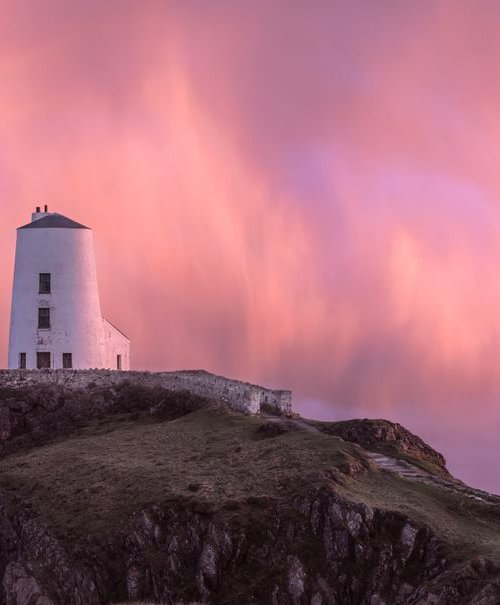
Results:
67 361
44 283
43 318
22 361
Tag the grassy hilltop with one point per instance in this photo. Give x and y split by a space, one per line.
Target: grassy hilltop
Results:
195 470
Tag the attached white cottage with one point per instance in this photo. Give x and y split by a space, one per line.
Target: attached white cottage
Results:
56 319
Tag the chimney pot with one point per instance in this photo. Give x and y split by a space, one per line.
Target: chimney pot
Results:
38 208
45 208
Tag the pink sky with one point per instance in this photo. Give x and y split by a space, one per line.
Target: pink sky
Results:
299 194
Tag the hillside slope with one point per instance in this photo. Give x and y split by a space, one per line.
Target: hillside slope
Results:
130 493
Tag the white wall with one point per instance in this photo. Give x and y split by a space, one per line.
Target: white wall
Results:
115 343
76 322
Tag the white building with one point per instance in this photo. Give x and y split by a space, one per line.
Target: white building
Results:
56 319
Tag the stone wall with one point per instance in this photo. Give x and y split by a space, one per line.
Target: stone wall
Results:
240 396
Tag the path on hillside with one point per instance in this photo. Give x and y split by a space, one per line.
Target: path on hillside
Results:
402 468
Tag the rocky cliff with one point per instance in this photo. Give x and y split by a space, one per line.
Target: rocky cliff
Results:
131 493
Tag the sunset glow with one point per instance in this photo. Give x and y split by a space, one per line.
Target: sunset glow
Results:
295 194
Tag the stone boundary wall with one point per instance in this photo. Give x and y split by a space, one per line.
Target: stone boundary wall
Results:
239 396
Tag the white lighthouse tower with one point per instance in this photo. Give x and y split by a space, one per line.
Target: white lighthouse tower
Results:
56 319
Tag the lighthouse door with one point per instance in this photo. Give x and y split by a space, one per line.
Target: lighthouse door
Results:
42 360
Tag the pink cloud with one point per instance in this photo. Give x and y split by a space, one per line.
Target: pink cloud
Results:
303 197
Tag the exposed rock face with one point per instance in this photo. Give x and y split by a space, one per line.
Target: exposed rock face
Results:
373 433
320 549
38 568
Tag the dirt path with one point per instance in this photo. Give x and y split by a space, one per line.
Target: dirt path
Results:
414 473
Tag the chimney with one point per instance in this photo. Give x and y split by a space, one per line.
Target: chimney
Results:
38 213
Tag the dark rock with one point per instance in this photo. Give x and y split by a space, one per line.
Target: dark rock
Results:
375 433
172 554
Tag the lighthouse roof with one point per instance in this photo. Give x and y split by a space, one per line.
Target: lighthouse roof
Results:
54 221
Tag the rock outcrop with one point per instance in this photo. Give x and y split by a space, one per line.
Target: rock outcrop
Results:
316 549
374 434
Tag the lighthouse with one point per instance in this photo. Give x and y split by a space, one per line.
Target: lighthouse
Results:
56 319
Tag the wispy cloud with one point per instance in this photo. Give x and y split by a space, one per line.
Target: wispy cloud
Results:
300 195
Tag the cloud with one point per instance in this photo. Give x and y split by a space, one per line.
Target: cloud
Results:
300 195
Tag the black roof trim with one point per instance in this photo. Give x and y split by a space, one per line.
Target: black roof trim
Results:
54 221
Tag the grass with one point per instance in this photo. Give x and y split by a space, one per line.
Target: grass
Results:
469 528
94 479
